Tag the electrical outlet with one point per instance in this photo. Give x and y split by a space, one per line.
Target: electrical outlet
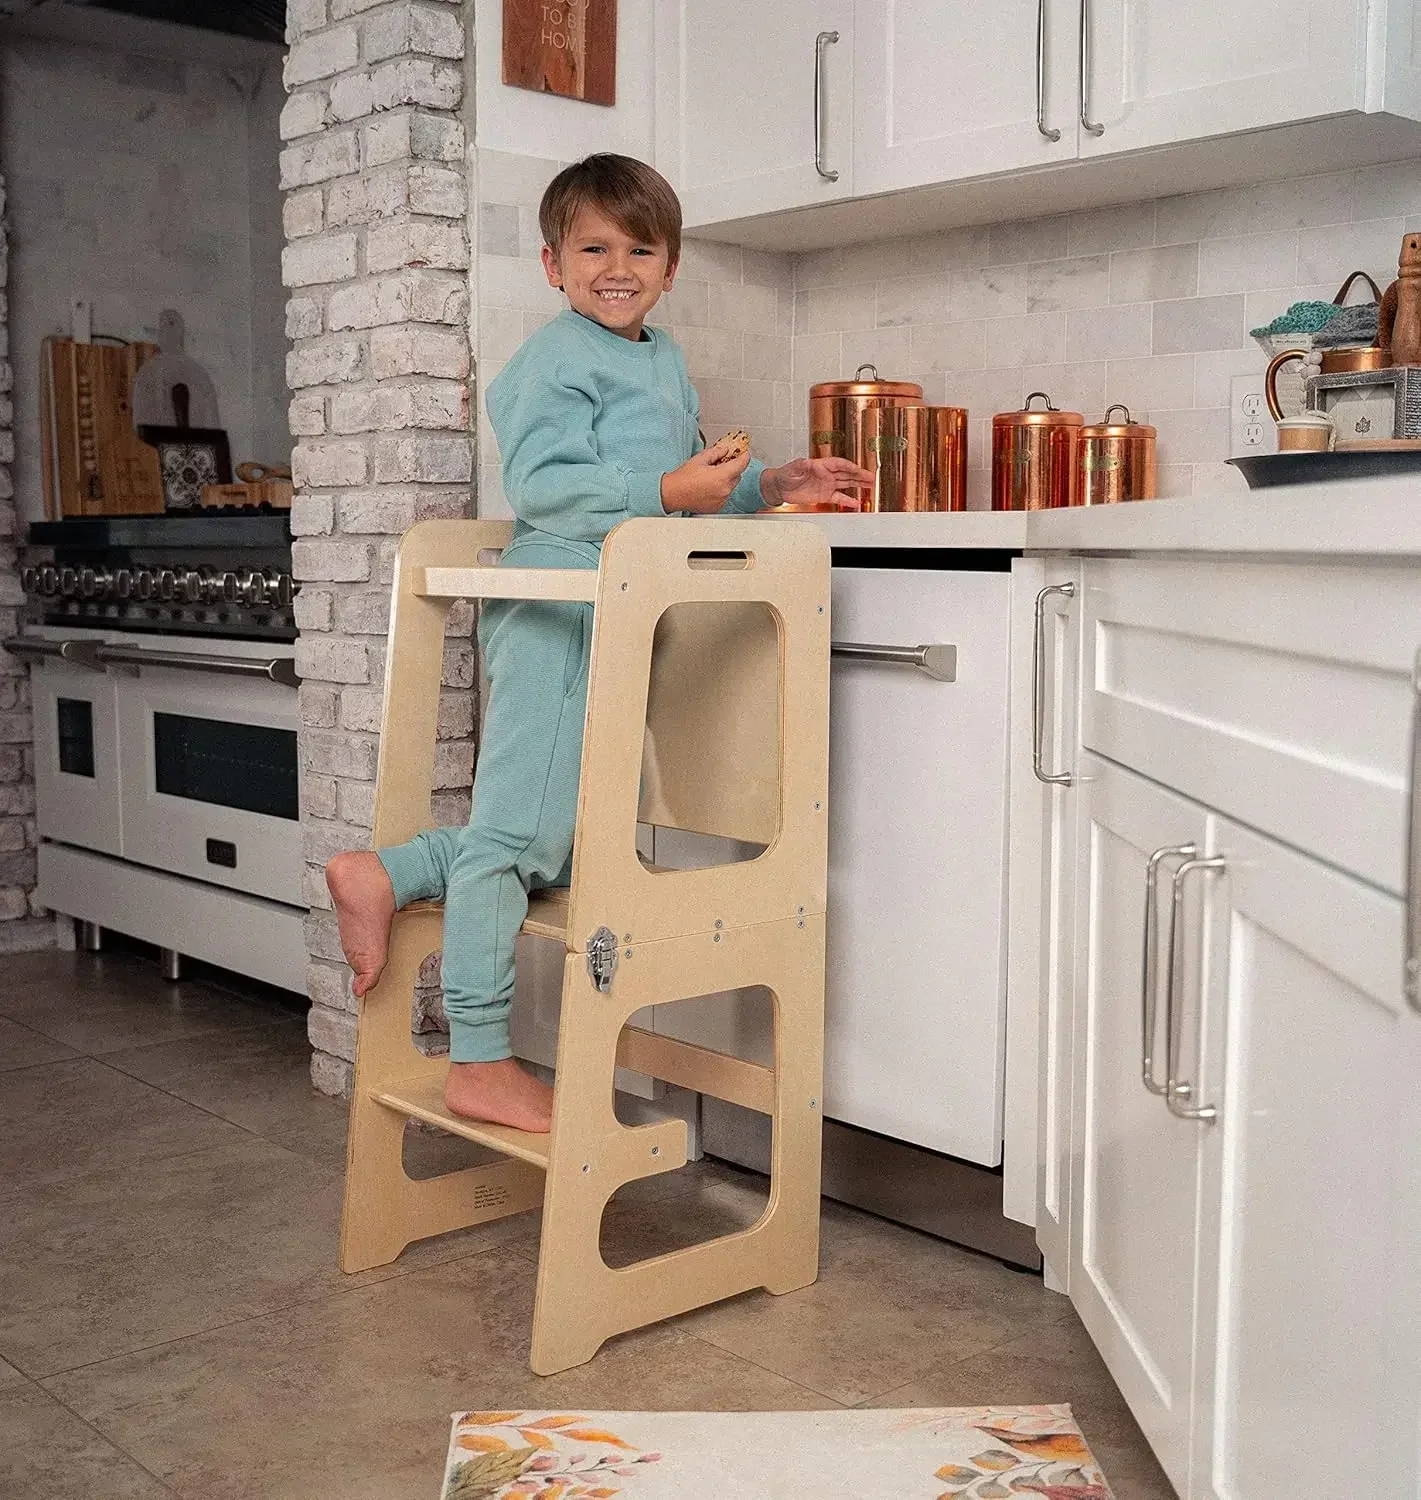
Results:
1251 429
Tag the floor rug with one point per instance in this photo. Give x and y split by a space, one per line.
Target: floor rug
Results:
965 1453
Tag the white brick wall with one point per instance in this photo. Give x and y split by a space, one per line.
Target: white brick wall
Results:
377 258
20 923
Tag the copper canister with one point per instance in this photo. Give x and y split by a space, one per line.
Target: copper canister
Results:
836 408
945 439
1117 460
893 442
1034 462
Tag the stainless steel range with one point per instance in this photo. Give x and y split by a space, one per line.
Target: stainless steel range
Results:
165 720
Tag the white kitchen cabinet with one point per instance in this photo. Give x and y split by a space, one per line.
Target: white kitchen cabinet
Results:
1135 1208
736 109
1156 75
1055 634
943 93
1305 1307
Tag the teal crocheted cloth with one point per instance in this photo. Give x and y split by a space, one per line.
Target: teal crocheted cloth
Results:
1301 317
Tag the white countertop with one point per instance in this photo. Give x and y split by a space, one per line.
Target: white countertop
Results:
1364 518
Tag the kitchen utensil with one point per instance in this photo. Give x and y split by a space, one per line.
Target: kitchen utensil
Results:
1328 361
172 378
1312 432
1034 463
1264 470
256 484
835 407
92 461
1117 460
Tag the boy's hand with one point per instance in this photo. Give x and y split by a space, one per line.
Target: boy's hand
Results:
703 483
814 481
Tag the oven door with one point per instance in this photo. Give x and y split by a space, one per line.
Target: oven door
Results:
76 753
209 780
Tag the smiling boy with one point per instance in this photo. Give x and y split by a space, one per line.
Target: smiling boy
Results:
596 421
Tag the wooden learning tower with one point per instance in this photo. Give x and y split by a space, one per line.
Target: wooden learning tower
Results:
722 730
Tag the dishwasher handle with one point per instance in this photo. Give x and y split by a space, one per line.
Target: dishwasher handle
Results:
938 662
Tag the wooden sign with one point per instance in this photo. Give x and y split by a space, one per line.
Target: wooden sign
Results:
565 47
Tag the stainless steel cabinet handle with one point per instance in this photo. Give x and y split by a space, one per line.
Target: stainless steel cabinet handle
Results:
1412 916
277 669
824 39
1051 135
1177 1089
1038 687
81 653
939 662
1086 124
1148 986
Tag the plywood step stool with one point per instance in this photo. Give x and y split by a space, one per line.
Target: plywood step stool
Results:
722 730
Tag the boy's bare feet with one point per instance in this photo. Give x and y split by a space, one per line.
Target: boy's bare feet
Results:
499 1093
365 907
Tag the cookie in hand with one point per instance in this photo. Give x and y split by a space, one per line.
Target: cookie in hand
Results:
734 443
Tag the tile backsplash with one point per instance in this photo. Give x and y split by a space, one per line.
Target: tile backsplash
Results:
1146 303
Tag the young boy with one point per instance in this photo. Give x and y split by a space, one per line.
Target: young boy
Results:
596 421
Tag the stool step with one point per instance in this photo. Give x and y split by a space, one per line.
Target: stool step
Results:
547 914
572 584
423 1099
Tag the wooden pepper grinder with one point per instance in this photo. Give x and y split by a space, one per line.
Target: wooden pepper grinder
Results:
1399 321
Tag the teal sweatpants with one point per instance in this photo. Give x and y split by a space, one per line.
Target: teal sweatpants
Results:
519 835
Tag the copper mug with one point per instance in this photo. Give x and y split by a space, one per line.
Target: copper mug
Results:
1035 457
1334 362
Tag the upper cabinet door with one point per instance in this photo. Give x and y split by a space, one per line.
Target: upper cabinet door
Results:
736 104
948 89
1157 74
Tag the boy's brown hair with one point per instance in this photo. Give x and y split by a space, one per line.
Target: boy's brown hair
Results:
634 196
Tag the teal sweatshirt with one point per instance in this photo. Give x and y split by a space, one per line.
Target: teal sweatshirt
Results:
587 423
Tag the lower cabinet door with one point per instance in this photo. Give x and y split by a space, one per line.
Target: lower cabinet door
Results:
76 756
1307 1308
1135 1166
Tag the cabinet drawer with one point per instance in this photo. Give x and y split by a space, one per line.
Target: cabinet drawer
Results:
1279 694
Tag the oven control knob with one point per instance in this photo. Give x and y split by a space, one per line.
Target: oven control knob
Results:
94 583
167 582
122 584
279 588
191 585
254 588
49 579
231 587
211 586
143 584
29 580
68 581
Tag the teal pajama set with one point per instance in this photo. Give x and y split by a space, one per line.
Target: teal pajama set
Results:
587 423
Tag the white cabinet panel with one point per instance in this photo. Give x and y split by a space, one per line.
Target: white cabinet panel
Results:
917 807
1159 74
946 90
1135 1183
1303 1287
735 105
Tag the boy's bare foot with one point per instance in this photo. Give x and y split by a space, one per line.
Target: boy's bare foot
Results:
499 1093
365 907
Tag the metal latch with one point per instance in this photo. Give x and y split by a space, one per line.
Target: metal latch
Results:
602 958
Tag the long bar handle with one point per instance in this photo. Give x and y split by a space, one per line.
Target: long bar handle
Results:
1149 986
1086 124
1051 135
279 669
1038 688
1176 1088
938 662
1412 971
824 39
81 653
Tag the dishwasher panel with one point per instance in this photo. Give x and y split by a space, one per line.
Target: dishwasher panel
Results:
915 1022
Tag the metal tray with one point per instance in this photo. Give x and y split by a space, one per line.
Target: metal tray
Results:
1264 470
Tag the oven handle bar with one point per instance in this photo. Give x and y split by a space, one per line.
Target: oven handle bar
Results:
275 669
81 653
939 662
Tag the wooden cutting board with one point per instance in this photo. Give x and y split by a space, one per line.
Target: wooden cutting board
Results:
94 463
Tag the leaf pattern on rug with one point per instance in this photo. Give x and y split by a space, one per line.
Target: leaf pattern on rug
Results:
543 1470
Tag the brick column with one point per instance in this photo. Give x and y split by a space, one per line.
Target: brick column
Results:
20 926
376 263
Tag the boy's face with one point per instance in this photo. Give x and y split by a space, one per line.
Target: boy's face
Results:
608 276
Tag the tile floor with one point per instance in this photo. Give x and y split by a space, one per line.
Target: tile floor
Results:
172 1321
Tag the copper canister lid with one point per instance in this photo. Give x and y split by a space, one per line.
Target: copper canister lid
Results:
1049 416
1129 428
903 390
